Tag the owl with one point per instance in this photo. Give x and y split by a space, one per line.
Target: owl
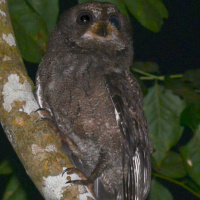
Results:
84 82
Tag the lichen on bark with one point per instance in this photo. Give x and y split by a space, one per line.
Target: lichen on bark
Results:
33 139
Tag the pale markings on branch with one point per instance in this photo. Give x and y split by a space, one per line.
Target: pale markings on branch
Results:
2 13
13 91
2 1
54 187
9 39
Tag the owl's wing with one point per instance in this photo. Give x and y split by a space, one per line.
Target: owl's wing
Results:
126 97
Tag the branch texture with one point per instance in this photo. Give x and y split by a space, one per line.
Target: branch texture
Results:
33 139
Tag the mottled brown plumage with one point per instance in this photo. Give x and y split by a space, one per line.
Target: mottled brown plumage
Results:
96 103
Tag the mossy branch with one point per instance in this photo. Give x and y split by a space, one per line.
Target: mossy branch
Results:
33 139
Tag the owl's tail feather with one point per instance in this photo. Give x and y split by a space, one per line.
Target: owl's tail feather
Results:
136 182
101 192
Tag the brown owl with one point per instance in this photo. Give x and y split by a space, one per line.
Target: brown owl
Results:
85 83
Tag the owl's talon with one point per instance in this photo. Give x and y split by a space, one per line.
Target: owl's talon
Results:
68 182
39 109
44 112
80 182
75 171
64 171
85 180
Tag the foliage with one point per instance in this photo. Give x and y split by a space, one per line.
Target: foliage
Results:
162 110
32 21
163 193
168 110
14 190
169 103
149 13
190 154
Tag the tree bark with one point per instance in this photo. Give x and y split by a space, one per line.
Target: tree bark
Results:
33 139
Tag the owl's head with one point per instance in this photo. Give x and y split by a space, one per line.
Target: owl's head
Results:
96 25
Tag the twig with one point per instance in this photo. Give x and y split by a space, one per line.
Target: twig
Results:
149 76
176 182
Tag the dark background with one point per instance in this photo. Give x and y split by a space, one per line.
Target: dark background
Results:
175 48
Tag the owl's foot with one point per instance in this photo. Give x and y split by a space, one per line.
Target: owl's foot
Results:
96 172
85 180
75 171
39 109
45 115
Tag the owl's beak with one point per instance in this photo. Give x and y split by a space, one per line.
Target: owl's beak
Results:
100 29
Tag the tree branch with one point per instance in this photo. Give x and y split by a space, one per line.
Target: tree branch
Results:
149 76
34 141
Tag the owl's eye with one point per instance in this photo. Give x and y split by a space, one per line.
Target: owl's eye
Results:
114 20
84 18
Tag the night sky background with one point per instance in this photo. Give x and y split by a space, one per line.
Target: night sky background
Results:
175 49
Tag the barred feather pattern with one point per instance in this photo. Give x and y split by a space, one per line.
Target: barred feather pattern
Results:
127 101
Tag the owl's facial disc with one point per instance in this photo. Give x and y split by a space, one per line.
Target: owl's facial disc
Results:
102 30
96 26
105 34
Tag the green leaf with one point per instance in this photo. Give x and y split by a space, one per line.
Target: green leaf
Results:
192 185
146 66
159 192
149 13
48 10
191 156
172 166
191 116
5 168
30 30
14 191
181 89
160 7
192 77
119 3
162 109
83 1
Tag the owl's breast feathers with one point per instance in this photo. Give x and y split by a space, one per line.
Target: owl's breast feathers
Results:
101 110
